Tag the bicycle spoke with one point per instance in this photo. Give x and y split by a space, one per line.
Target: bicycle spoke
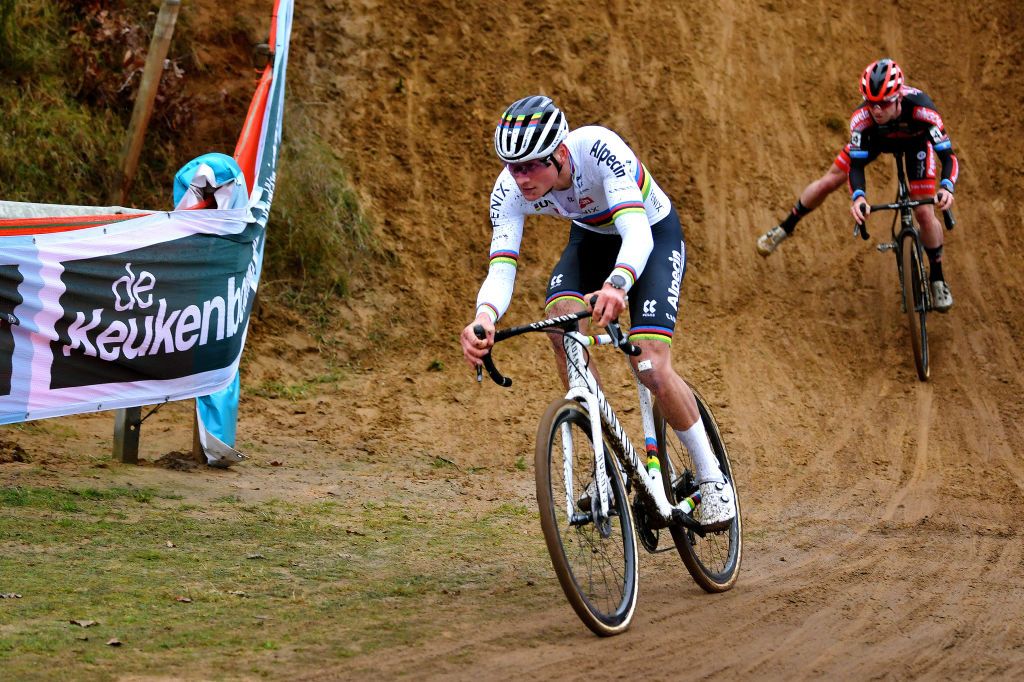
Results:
597 571
915 301
714 558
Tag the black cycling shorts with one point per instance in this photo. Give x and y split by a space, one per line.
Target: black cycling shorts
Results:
588 260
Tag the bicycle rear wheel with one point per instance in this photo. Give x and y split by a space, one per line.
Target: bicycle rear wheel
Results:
915 301
713 559
598 571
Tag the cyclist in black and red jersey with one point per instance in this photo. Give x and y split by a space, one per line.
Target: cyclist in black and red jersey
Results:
893 118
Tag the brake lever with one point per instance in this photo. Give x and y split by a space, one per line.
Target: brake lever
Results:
947 217
615 331
480 334
495 375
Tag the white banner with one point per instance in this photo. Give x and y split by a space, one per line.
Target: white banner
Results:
141 311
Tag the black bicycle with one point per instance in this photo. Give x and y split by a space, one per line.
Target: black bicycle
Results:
915 291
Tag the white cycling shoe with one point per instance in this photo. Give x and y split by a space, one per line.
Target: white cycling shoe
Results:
717 506
942 299
770 240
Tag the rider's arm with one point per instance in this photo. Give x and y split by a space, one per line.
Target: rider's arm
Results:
858 161
627 206
623 175
496 291
507 220
860 122
944 150
925 112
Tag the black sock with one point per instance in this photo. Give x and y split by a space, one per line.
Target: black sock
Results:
935 264
798 212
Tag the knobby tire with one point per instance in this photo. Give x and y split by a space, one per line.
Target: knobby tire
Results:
712 560
598 575
915 302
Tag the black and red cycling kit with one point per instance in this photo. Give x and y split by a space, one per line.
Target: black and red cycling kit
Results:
917 131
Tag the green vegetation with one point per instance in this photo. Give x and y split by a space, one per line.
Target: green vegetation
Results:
63 68
222 588
6 11
273 388
69 500
318 230
61 138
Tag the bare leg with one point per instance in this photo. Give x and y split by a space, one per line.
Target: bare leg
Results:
679 407
815 193
674 396
566 307
931 231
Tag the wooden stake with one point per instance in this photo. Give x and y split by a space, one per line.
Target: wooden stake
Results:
143 110
127 423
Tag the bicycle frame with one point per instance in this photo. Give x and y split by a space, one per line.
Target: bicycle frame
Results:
583 387
907 246
904 206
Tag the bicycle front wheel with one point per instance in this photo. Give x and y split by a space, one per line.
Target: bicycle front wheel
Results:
713 559
596 563
915 301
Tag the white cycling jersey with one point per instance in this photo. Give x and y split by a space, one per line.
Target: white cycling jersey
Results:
611 193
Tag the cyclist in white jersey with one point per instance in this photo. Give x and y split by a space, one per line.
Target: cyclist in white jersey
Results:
625 237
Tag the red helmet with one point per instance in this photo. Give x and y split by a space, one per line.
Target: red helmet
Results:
882 80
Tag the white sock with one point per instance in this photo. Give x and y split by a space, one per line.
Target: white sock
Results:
696 441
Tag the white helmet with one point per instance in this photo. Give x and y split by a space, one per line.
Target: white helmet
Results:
531 128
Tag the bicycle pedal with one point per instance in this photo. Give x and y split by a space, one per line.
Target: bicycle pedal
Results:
888 246
683 519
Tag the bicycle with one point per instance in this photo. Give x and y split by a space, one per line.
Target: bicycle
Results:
916 299
589 525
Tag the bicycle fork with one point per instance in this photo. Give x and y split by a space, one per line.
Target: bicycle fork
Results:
585 390
652 482
601 414
897 246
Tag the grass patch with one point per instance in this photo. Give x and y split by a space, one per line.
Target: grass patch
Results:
72 154
270 583
56 144
53 427
70 499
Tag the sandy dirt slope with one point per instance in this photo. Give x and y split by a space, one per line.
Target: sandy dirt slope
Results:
883 516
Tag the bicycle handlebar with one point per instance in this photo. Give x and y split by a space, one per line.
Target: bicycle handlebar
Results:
492 371
563 321
862 228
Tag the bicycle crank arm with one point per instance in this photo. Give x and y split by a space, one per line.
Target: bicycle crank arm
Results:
688 522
